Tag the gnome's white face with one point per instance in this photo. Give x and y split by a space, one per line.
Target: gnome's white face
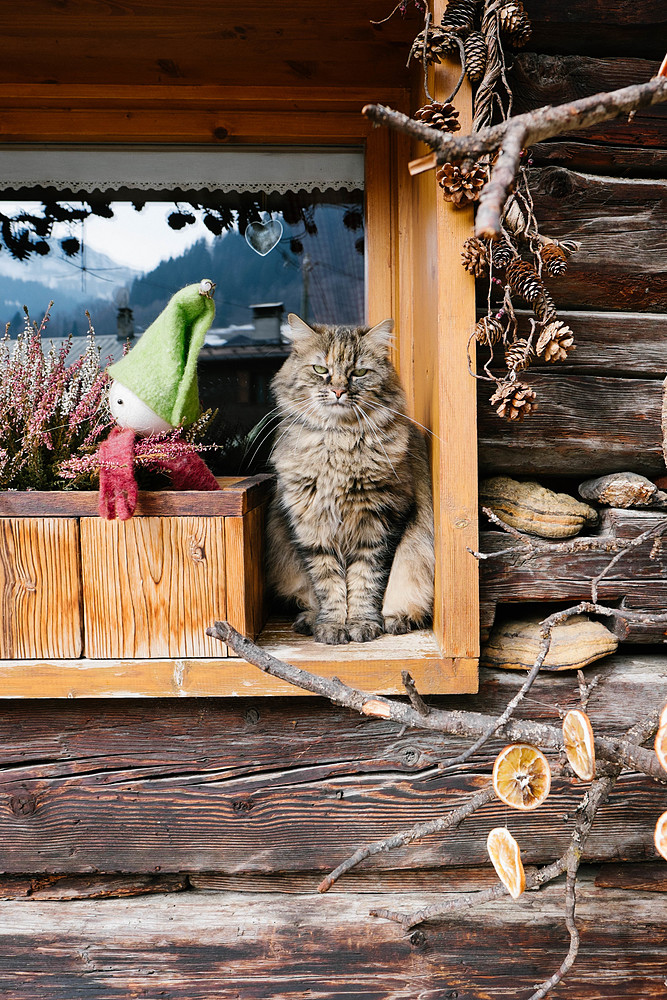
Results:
129 411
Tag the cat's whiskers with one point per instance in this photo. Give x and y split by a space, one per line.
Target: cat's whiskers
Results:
268 430
376 436
411 419
310 408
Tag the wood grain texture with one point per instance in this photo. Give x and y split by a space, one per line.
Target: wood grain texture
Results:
40 588
244 572
289 785
236 496
191 946
596 158
452 398
538 79
152 585
584 426
640 576
202 42
608 343
377 668
599 27
622 226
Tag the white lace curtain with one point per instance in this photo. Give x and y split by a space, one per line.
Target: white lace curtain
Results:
113 168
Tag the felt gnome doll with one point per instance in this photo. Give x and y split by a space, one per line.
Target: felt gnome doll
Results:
154 390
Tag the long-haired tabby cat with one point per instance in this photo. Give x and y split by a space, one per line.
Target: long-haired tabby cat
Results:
350 530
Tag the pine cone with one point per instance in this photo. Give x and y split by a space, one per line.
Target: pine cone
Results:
516 400
524 280
514 22
501 253
554 258
474 254
461 187
439 116
518 355
556 341
475 52
438 43
459 16
544 307
569 246
489 331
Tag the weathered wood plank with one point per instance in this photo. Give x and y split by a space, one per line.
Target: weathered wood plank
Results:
159 580
596 28
291 785
538 79
590 157
583 426
98 886
648 877
236 497
258 946
640 576
607 343
40 588
621 225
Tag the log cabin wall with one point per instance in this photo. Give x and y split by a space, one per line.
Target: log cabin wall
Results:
171 849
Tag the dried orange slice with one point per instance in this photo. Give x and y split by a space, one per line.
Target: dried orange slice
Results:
506 859
579 744
661 746
660 836
521 776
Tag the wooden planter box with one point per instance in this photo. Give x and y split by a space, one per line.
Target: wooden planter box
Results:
75 586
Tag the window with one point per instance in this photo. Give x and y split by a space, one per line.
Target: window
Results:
412 272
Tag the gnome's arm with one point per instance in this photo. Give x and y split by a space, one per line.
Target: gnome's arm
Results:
189 472
118 487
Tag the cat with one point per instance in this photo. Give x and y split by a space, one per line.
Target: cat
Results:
350 528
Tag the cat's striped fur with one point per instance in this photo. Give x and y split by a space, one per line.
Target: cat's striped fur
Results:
350 530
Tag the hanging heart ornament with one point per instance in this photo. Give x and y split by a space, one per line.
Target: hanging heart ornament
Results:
262 237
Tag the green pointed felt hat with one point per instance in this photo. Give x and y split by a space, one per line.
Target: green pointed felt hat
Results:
161 369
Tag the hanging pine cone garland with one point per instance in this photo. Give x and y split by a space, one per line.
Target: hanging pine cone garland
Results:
514 23
438 43
474 256
459 186
554 258
459 16
544 307
555 342
489 331
515 400
518 355
443 117
501 253
569 246
475 53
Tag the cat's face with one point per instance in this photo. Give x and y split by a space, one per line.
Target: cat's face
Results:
337 375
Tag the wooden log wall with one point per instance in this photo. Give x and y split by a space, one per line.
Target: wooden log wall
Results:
601 410
153 849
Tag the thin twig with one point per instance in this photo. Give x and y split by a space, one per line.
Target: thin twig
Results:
453 819
416 699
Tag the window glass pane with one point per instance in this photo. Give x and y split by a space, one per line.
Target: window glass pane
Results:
122 255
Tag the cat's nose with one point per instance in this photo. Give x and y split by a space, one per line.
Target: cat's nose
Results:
338 392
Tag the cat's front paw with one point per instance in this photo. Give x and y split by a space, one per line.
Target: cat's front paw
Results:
364 631
332 634
303 623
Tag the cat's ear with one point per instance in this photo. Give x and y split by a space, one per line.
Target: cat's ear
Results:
380 336
298 330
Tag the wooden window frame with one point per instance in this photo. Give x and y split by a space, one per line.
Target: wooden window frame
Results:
413 241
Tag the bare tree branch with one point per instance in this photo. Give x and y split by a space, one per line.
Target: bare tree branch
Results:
508 137
453 723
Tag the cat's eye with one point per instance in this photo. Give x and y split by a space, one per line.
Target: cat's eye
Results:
320 369
358 372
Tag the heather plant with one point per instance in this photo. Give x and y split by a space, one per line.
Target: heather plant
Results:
53 415
49 410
